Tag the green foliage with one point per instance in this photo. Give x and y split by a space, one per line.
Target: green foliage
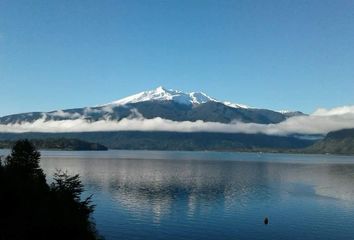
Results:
31 209
59 144
337 142
24 160
24 155
194 141
67 185
70 188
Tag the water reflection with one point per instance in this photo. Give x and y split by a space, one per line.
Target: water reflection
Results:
203 197
142 184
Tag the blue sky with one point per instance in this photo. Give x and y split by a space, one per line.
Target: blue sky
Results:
286 54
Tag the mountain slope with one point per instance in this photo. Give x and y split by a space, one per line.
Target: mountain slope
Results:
337 142
167 104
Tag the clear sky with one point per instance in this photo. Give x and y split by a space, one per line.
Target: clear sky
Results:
284 54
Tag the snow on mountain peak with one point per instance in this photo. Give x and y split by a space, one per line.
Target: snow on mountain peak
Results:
235 105
163 94
160 89
200 97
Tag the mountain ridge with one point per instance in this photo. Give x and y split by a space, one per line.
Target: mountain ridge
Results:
163 94
335 142
167 104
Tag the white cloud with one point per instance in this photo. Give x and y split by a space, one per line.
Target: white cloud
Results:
321 121
89 110
108 109
61 113
334 111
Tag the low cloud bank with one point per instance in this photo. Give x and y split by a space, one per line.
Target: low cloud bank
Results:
321 121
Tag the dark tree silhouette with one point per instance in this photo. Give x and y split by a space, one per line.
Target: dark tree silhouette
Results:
24 155
31 209
24 159
65 184
70 187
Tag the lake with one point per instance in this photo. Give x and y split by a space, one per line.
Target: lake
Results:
209 195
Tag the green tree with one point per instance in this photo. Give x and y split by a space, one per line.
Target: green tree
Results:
70 188
67 191
25 158
31 209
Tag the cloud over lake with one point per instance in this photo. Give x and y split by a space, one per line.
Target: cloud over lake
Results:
321 121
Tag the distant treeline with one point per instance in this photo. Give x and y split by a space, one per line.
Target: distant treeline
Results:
194 141
59 144
30 208
338 142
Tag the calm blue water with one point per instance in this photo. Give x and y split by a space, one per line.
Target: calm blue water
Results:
204 195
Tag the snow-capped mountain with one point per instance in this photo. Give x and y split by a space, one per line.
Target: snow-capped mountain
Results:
160 102
163 94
